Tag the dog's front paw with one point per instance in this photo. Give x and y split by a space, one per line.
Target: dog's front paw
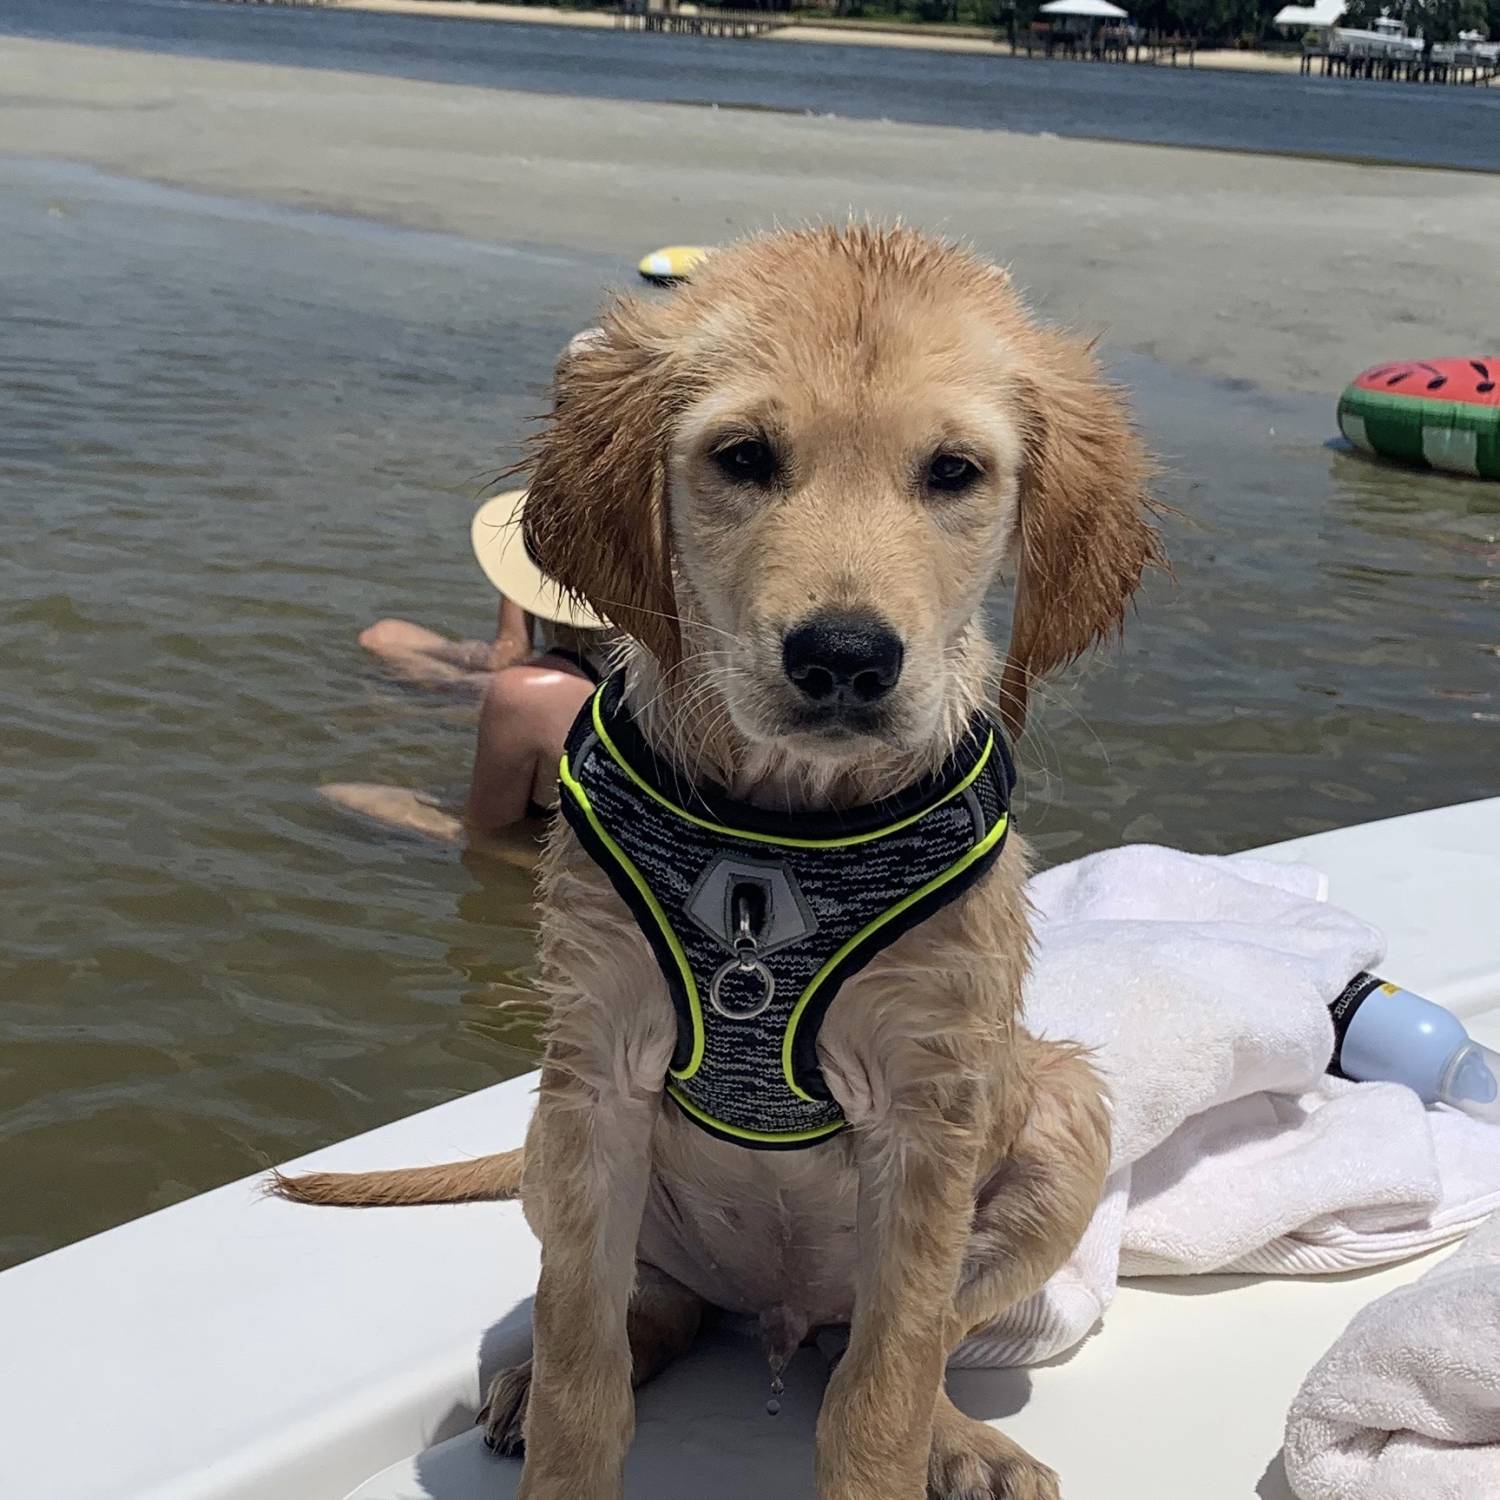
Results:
971 1461
503 1415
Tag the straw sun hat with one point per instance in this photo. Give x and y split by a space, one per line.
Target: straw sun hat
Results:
496 536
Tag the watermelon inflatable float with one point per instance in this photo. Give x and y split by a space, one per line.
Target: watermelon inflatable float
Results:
1442 413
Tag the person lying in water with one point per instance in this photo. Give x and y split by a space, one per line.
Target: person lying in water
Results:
547 657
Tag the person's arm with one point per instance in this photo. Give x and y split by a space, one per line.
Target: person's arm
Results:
512 635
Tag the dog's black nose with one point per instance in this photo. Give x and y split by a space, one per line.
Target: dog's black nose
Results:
843 659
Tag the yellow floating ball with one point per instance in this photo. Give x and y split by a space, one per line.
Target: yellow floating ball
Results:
674 263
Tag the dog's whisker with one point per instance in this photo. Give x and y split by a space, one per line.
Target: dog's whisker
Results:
636 608
668 684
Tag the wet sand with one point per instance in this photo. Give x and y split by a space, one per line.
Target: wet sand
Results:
1286 273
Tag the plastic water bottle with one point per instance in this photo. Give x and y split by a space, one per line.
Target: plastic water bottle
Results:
1385 1034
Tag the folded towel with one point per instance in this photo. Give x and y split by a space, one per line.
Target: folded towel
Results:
1203 985
1406 1405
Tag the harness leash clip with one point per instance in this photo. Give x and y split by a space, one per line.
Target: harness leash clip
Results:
746 961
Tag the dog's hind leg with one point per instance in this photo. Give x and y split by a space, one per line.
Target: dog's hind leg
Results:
1034 1209
662 1323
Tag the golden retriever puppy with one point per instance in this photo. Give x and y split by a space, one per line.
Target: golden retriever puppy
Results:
792 485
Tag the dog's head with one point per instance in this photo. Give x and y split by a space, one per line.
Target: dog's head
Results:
820 454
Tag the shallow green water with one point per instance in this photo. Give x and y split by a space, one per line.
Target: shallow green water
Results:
231 436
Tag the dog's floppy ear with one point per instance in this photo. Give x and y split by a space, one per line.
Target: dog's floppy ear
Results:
1085 516
596 506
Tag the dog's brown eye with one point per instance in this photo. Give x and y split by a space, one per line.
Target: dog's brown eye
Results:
749 461
951 473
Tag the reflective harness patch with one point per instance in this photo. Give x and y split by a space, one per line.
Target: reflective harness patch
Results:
757 918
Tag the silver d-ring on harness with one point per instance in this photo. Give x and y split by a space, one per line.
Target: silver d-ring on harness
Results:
745 963
746 960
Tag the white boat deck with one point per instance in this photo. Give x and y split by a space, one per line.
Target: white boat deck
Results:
234 1347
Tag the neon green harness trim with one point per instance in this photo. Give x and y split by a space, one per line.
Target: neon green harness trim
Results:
781 840
764 1137
979 850
689 984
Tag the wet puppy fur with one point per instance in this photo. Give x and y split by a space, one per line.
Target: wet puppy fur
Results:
836 435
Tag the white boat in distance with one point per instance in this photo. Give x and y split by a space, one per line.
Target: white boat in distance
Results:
235 1347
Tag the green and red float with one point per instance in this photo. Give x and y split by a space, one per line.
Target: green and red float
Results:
1441 413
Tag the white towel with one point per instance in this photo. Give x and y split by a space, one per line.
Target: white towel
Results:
1406 1405
1204 984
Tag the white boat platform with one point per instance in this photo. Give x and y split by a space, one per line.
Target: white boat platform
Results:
235 1347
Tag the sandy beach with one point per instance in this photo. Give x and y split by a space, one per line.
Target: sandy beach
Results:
1285 272
471 10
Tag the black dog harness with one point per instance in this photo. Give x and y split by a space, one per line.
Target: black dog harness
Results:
757 918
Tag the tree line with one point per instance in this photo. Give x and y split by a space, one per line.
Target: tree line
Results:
1437 20
1222 22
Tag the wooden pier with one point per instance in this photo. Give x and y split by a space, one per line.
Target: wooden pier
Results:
728 23
1385 68
1104 46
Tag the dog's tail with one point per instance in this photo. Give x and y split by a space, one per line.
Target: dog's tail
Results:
485 1179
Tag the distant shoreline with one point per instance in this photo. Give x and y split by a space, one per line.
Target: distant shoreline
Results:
1190 256
848 34
586 60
